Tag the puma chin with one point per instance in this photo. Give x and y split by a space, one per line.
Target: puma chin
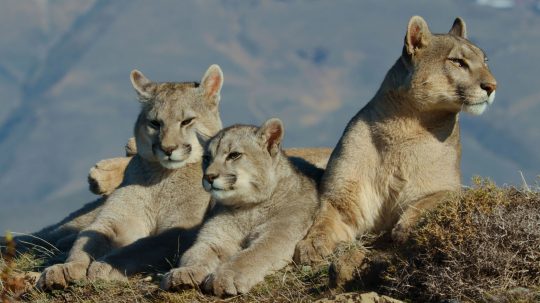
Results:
478 107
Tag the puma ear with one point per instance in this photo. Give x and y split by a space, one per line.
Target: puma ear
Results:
211 84
418 35
202 138
271 133
458 28
141 84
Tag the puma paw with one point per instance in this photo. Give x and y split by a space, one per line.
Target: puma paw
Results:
60 275
226 282
400 234
313 249
107 175
345 266
183 278
131 147
99 270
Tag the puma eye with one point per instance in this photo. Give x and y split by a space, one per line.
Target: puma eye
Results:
459 62
187 122
234 155
154 124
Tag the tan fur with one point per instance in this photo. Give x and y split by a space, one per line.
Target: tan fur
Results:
160 203
265 204
107 174
401 153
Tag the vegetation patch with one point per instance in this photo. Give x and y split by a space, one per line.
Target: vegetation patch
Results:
481 245
291 284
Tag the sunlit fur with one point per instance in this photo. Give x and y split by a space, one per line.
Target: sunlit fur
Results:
265 202
400 154
160 203
238 183
170 104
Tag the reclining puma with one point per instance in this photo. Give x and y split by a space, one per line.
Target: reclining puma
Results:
400 155
265 203
161 192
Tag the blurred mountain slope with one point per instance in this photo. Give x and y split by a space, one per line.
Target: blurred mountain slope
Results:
67 101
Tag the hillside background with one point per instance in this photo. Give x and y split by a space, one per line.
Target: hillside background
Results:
66 100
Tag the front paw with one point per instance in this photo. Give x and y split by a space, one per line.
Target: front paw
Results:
183 278
106 176
226 282
131 147
400 234
104 271
346 265
313 249
60 275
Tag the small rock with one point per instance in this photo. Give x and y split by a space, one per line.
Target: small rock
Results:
353 297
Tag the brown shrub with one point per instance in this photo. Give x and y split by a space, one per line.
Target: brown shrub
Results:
482 245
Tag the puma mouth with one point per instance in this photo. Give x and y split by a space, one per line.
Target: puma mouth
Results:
475 108
477 103
215 188
172 164
222 194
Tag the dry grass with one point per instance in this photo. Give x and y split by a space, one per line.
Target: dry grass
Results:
292 284
482 245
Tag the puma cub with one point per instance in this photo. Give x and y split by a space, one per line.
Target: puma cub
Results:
161 200
265 205
400 155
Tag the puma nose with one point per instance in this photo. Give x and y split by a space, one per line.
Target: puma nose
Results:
168 150
488 87
210 177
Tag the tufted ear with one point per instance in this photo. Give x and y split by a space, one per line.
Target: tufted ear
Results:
458 28
211 84
418 35
141 84
271 133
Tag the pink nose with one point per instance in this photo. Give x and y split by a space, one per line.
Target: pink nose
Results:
489 87
168 150
210 177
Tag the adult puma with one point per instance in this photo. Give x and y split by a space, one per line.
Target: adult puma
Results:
400 155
